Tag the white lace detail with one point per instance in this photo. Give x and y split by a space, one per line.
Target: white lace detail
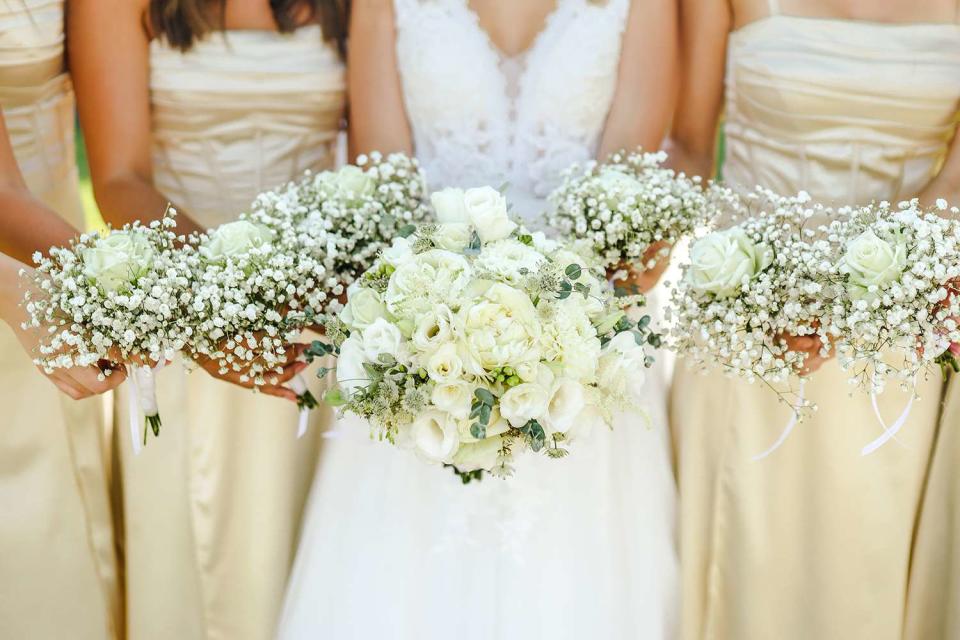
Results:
479 117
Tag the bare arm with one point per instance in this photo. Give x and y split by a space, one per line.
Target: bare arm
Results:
947 183
647 79
378 119
704 28
110 72
27 225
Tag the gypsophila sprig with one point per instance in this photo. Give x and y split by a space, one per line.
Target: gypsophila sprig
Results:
747 286
623 206
123 296
895 306
473 341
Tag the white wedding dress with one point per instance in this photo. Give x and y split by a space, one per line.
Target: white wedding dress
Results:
581 547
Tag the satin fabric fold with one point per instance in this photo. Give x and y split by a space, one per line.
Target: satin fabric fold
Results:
59 576
213 505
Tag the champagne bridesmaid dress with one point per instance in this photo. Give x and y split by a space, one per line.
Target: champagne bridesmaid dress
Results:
213 505
58 567
815 540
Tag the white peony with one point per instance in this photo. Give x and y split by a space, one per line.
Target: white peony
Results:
524 402
351 375
429 278
872 262
487 211
234 239
475 456
117 260
453 397
364 306
381 338
570 339
449 206
434 436
722 261
501 328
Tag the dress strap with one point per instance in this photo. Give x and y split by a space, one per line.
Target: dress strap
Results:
774 7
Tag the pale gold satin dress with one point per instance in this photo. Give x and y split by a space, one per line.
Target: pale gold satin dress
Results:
213 506
58 567
814 542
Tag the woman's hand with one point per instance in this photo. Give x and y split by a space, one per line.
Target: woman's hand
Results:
812 346
655 261
291 367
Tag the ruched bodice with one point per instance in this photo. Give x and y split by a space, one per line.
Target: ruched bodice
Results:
37 100
241 112
849 111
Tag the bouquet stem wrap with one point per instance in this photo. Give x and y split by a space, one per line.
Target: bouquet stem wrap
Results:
305 402
143 400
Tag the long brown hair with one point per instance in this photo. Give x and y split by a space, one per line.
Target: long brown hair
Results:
183 22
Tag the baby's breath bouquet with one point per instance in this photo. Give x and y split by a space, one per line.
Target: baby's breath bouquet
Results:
622 207
253 291
895 306
471 341
123 296
345 218
747 287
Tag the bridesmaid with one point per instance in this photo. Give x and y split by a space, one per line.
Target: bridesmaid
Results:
206 103
58 573
852 102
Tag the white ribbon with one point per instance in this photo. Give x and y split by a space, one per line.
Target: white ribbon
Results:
889 432
790 425
142 400
299 386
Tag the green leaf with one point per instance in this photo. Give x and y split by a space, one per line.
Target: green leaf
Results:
478 431
473 249
484 417
526 239
318 349
406 230
536 437
373 372
484 396
573 271
335 398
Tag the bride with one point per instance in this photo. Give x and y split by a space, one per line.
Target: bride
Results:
486 92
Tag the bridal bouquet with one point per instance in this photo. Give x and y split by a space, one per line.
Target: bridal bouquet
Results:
471 341
120 297
345 218
748 286
895 306
622 207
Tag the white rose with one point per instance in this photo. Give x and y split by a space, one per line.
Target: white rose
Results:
474 456
487 212
445 365
453 236
722 261
381 338
398 253
501 328
566 403
525 402
351 375
508 260
449 207
434 436
234 239
117 260
622 367
353 180
363 307
871 261
617 184
455 398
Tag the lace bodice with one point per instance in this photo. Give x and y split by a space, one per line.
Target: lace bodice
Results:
241 112
848 111
481 118
37 100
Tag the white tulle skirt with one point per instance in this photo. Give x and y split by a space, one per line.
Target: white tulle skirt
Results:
581 547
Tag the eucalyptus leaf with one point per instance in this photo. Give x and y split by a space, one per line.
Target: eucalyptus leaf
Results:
573 271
